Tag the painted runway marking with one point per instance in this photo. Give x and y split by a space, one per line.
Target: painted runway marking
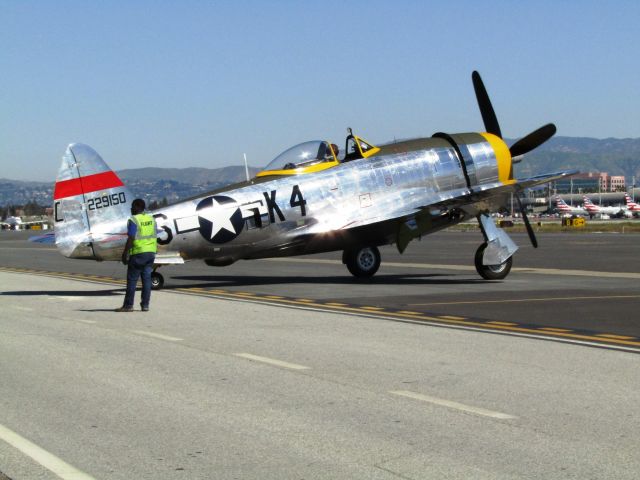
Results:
524 300
48 460
374 309
90 322
615 337
408 312
158 336
67 298
453 317
553 329
506 324
453 405
271 361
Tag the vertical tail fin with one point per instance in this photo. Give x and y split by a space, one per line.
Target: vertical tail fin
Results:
90 204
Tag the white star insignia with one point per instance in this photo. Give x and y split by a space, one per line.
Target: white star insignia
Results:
219 216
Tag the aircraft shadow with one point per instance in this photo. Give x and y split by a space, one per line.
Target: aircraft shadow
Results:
240 281
65 293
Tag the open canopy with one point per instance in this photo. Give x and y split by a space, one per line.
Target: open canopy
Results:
305 157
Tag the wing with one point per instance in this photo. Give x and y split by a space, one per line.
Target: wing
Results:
400 206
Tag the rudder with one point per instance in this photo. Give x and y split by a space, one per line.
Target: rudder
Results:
91 206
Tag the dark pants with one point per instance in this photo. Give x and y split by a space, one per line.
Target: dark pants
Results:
140 264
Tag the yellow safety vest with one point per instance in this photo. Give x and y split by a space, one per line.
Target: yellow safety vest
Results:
145 240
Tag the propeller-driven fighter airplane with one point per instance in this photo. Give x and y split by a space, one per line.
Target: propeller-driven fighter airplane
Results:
310 200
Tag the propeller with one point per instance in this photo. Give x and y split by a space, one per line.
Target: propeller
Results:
491 125
486 109
522 146
532 235
533 140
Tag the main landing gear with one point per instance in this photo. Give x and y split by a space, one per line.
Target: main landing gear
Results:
491 272
362 262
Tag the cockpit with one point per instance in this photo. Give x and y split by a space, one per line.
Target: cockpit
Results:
317 155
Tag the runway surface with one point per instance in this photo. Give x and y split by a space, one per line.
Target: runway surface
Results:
205 387
575 287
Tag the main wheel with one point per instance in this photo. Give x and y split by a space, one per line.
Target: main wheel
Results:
492 272
362 262
157 281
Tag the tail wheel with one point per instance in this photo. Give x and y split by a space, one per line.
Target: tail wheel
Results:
362 262
491 272
157 281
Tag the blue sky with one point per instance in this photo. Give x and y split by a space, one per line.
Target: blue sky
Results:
195 83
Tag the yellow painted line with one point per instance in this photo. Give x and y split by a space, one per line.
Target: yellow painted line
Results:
453 405
248 294
453 317
553 329
274 297
48 460
417 316
372 308
271 361
615 337
524 300
334 304
509 324
304 300
408 312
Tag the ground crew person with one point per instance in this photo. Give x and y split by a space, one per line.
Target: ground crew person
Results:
139 255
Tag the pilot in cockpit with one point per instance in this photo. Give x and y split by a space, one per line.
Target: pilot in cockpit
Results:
335 150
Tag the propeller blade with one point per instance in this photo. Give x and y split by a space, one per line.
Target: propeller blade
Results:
533 140
532 235
486 109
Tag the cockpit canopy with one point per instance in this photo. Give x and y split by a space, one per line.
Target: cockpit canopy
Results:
306 157
318 155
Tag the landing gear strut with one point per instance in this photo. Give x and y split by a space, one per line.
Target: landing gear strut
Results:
492 272
157 280
363 261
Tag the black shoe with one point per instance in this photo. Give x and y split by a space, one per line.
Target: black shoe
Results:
124 308
144 309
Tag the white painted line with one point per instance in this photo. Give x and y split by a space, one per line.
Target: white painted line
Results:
157 335
454 405
433 266
48 460
90 322
271 361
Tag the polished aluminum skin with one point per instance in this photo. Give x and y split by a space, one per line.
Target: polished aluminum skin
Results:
295 214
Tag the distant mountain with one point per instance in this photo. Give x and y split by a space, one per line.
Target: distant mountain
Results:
616 156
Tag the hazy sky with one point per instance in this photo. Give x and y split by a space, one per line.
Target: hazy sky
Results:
197 83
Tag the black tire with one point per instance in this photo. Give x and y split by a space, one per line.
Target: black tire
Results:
362 262
491 272
157 281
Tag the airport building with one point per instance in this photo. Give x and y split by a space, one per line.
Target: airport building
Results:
591 182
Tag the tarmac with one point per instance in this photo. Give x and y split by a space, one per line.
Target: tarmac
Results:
210 387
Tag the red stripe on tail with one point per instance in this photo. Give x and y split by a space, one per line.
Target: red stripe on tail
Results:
88 184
